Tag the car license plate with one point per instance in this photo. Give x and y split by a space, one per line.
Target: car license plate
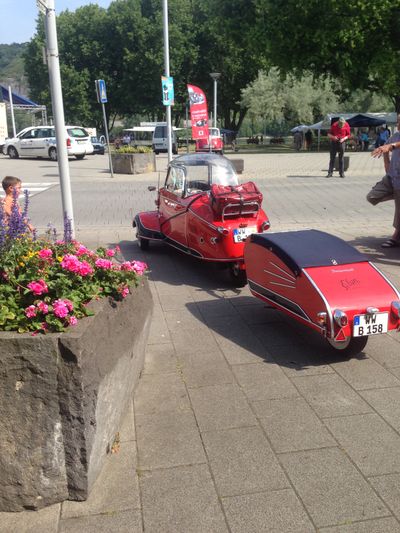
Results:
371 324
241 234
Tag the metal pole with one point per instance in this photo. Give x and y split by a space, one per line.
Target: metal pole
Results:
12 110
187 125
58 112
166 68
108 140
215 102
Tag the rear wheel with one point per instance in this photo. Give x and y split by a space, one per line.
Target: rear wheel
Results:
238 276
353 345
53 154
12 152
143 244
80 156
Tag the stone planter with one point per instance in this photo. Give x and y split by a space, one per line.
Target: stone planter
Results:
133 163
62 398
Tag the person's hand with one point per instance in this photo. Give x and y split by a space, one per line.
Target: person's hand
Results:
381 150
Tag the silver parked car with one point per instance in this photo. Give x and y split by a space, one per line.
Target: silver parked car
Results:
40 141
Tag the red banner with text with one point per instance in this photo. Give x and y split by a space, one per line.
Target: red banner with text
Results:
198 112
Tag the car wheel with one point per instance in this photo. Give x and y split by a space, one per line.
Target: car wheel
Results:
143 243
12 152
53 154
80 156
156 152
353 346
237 275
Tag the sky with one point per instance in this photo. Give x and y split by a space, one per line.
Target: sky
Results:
18 17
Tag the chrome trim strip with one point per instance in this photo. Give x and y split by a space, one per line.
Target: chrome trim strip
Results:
278 276
205 221
282 270
328 307
282 285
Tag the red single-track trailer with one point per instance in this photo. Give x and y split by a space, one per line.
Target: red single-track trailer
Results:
325 284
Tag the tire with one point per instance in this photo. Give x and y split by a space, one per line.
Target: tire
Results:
53 153
237 275
12 152
354 346
80 156
143 244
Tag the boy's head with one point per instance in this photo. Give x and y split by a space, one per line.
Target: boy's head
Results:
10 183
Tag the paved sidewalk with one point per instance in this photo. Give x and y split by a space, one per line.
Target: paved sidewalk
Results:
243 421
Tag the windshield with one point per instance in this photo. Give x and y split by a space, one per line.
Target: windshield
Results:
207 168
214 132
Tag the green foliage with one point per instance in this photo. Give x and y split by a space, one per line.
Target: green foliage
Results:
133 150
45 286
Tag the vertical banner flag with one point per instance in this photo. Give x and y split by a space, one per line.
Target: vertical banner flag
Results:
167 84
198 112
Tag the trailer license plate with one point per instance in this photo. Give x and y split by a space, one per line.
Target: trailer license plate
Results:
370 324
241 234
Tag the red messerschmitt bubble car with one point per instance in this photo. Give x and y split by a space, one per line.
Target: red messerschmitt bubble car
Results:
204 211
325 284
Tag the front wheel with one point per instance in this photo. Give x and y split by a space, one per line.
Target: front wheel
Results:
238 276
143 244
80 156
353 345
53 154
13 153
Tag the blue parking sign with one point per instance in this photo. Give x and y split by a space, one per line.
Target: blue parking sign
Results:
101 91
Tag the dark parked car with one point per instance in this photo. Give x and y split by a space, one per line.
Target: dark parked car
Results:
98 147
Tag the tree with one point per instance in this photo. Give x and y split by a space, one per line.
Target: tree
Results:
354 41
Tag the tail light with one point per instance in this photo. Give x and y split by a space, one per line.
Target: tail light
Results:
395 307
68 142
265 225
340 318
223 231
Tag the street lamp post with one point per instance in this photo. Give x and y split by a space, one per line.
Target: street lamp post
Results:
10 97
215 76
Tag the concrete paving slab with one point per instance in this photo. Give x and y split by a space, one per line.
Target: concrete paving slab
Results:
123 522
300 360
387 403
291 425
242 461
159 332
264 381
329 395
127 431
388 488
45 521
363 373
240 347
168 439
184 338
157 393
221 407
276 334
270 512
370 442
110 494
160 359
331 488
381 525
202 375
181 500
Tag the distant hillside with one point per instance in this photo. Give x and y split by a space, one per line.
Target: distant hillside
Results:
12 67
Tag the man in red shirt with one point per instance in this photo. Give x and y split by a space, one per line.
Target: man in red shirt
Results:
338 134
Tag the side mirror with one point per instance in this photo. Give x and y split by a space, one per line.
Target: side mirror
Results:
151 188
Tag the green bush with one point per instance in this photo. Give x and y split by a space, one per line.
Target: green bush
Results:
133 150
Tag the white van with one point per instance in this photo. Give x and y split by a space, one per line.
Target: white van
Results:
160 140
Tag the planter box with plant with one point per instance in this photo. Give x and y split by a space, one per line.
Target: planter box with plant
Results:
73 329
130 160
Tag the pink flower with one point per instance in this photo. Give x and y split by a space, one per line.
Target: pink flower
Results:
60 308
117 249
43 308
72 320
45 253
30 311
104 263
139 267
110 253
38 287
69 304
85 269
82 250
126 265
124 291
70 262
